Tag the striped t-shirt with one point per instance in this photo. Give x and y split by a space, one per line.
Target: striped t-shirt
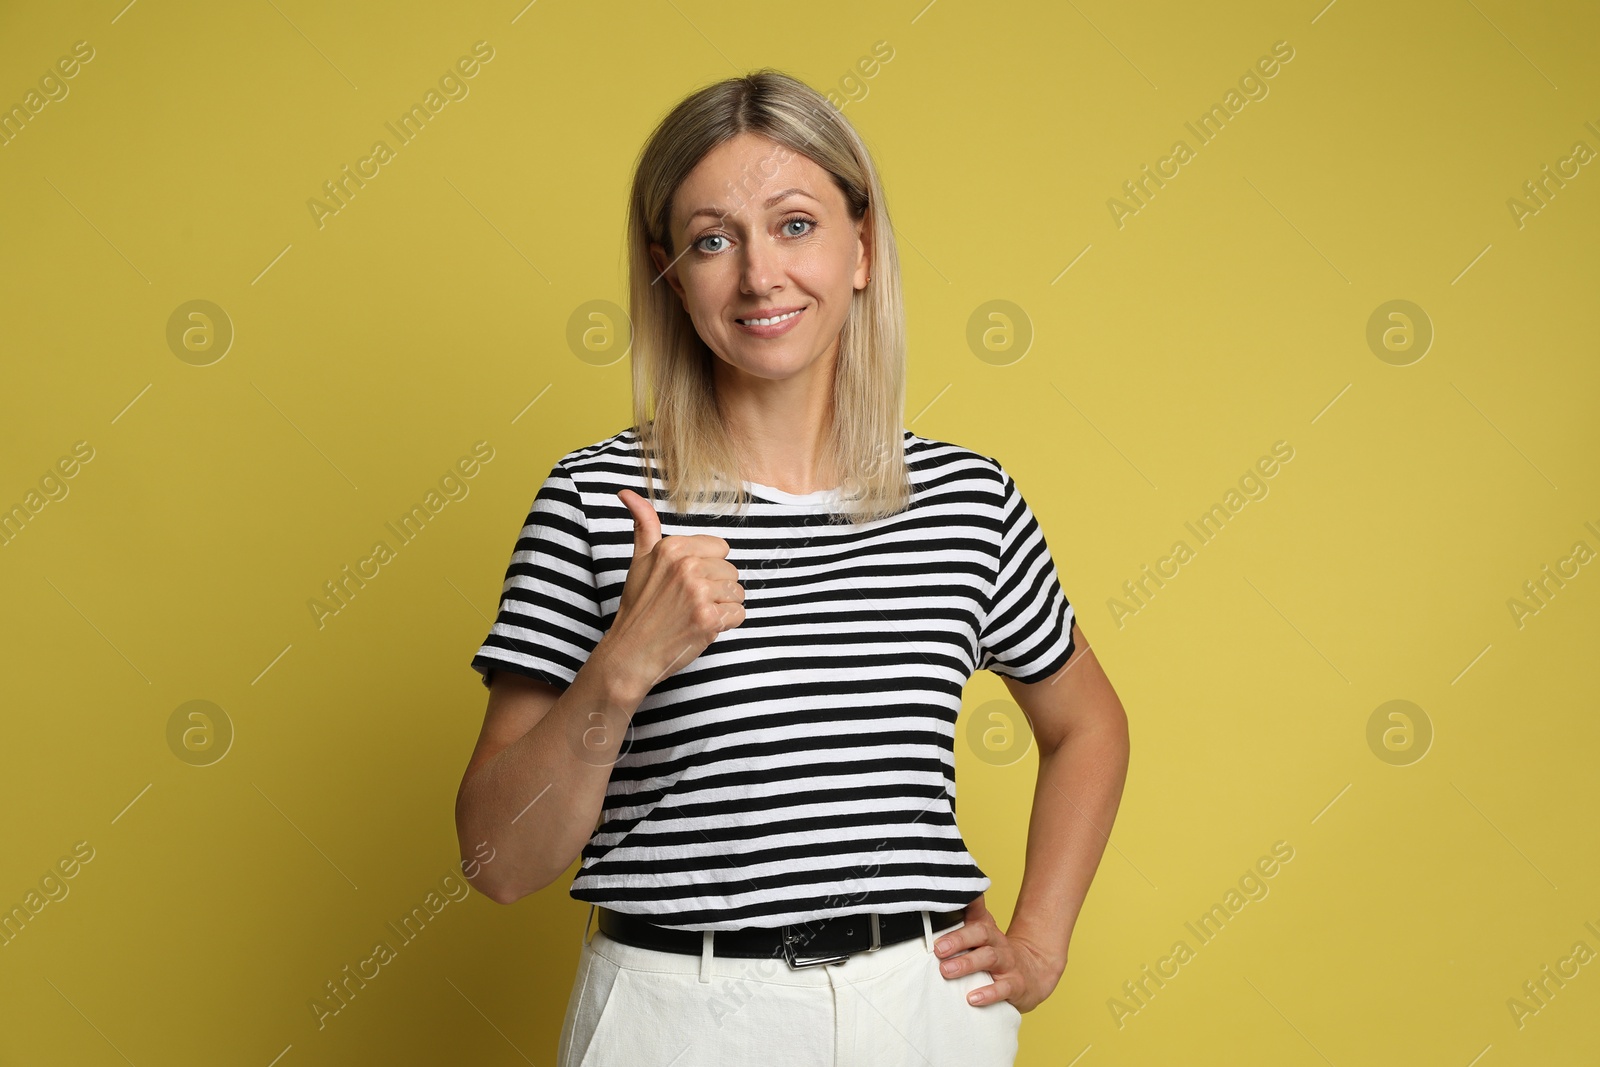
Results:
803 766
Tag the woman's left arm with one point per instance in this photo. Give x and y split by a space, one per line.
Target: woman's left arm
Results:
1082 734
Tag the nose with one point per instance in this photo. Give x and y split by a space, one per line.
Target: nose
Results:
761 266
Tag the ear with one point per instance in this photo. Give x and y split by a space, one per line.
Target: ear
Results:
863 252
658 256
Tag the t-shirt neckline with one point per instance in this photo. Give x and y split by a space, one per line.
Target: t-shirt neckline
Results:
775 495
771 493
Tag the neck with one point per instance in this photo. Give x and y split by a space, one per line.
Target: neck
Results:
780 428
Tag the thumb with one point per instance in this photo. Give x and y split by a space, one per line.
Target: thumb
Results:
646 524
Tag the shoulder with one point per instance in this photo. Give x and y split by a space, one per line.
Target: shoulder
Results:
587 460
608 464
934 463
596 471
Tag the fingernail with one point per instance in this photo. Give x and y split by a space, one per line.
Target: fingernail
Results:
943 946
974 998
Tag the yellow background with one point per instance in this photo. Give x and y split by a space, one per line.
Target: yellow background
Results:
370 353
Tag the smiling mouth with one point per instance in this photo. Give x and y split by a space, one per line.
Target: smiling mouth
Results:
773 321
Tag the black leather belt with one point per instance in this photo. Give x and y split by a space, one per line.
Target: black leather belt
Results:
799 944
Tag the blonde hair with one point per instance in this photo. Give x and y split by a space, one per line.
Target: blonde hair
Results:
684 436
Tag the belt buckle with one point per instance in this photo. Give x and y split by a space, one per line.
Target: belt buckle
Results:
794 962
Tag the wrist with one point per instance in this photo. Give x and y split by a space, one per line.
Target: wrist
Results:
1049 947
617 675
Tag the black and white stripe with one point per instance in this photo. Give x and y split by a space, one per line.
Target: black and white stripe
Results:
803 766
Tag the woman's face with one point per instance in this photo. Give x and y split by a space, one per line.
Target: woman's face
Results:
761 231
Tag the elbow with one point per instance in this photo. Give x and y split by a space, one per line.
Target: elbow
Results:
484 865
486 883
1117 723
501 894
511 890
503 889
501 870
1104 729
1117 736
492 873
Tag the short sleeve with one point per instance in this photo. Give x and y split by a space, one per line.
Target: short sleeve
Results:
1027 624
549 617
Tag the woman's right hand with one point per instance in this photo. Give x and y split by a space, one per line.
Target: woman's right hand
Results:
680 592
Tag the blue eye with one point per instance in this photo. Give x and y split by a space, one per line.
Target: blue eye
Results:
699 245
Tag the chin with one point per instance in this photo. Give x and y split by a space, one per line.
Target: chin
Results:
774 370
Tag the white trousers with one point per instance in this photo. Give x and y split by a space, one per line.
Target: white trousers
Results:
640 1007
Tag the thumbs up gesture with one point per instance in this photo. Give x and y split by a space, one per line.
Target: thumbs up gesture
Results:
680 592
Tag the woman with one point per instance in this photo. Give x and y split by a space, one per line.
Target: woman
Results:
733 638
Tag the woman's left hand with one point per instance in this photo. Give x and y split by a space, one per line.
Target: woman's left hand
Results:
1023 972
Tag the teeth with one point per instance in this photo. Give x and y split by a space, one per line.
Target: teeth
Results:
769 322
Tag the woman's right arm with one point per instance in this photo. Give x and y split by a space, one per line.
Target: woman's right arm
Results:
536 783
533 789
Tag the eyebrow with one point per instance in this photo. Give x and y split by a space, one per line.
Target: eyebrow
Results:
771 200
